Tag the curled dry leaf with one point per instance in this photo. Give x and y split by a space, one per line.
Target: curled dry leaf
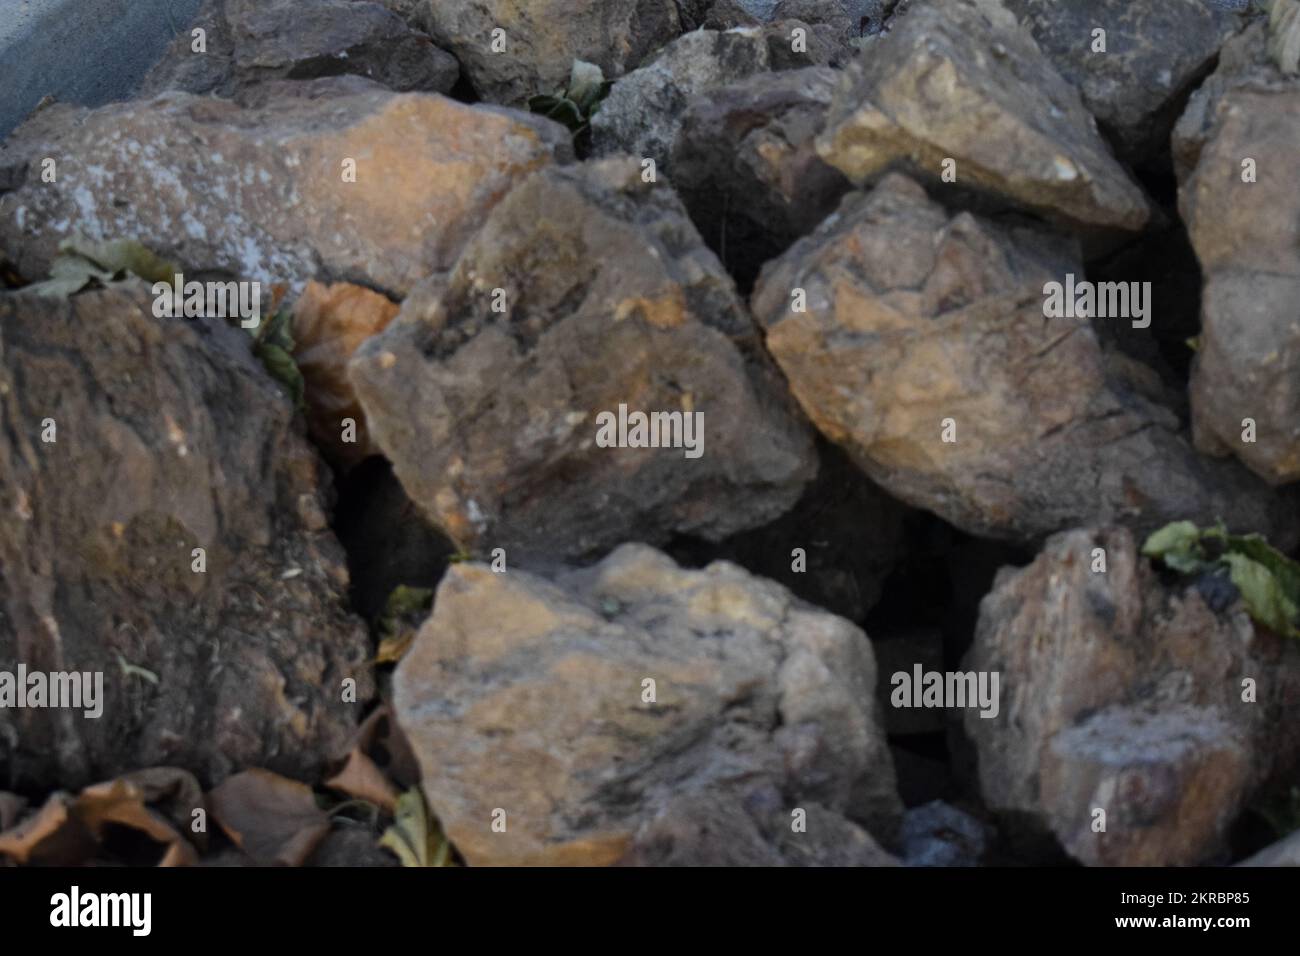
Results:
271 818
70 830
379 763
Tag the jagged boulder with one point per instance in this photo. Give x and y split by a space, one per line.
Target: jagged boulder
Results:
332 179
505 392
635 712
127 443
1124 695
960 81
917 340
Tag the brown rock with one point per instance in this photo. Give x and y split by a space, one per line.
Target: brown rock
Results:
529 696
959 80
1119 694
492 418
917 321
1246 126
259 192
169 437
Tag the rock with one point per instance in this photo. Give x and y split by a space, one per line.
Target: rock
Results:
957 81
746 166
524 694
729 14
1247 239
939 834
542 38
795 45
259 192
643 111
1155 53
609 305
1170 782
918 322
329 323
1123 695
1285 852
249 41
170 437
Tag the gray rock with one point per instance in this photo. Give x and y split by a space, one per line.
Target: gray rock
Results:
259 191
1156 52
542 38
939 834
960 80
250 41
170 437
1285 852
610 299
644 110
917 320
524 694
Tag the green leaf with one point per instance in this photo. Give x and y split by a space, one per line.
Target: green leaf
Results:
281 366
121 255
1262 594
1178 545
414 838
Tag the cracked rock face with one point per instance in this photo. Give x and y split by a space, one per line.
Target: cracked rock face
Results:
528 695
1237 145
960 80
538 40
260 192
168 437
1124 696
916 321
585 290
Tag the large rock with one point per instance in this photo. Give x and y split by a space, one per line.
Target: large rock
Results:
917 321
746 166
260 193
960 80
644 110
249 41
1247 238
169 437
1155 53
528 696
511 50
1121 694
489 402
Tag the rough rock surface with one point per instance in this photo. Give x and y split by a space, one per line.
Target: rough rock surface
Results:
1156 51
1120 694
609 298
528 695
643 111
170 437
260 192
746 166
938 834
249 41
542 38
1247 238
955 81
915 318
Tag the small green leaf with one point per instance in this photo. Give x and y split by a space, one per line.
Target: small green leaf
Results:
281 366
